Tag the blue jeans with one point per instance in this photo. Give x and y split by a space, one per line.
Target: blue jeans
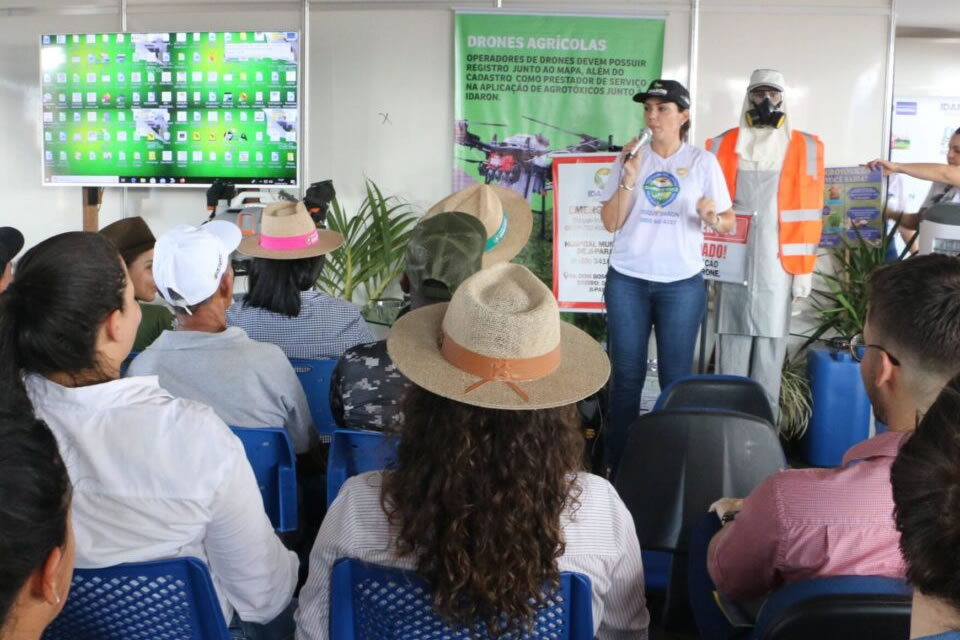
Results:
634 306
280 628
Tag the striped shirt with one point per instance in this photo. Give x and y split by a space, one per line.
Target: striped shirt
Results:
325 328
601 543
809 523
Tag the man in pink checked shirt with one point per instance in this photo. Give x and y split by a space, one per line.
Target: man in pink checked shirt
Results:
806 523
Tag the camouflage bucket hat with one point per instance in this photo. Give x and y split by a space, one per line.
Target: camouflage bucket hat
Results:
443 251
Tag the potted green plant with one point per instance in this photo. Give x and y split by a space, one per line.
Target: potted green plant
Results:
375 242
795 403
841 308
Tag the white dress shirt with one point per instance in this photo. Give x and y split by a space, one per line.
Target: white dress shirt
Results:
601 543
159 477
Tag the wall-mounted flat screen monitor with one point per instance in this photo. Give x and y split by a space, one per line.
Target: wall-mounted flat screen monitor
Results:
170 109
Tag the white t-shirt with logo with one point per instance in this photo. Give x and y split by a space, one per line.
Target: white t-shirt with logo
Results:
662 238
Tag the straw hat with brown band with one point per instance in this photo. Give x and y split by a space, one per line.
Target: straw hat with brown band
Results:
287 232
505 214
499 343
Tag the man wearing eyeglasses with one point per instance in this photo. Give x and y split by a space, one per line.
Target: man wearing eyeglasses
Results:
807 523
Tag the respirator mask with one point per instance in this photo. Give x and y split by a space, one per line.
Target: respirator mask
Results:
766 109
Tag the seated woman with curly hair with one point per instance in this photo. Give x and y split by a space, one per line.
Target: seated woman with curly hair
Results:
487 499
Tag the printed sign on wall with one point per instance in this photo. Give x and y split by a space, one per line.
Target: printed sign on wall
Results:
581 246
725 254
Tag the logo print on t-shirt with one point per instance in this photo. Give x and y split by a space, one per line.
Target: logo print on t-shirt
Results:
661 188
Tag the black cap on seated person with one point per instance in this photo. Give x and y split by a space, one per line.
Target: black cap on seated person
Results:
11 242
443 251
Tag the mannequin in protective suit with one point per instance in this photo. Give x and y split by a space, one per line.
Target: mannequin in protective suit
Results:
776 174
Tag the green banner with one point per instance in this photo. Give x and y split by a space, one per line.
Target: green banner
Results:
528 86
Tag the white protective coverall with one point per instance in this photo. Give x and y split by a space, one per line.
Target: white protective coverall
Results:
753 320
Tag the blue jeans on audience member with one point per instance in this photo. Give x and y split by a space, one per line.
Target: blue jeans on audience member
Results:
280 628
634 306
711 622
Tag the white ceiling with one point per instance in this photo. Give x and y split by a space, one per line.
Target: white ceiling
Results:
916 18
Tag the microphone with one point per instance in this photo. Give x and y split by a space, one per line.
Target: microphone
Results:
643 139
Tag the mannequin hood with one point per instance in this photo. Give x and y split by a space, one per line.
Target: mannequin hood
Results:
765 146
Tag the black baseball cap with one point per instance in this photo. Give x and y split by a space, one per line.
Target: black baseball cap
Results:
11 241
668 91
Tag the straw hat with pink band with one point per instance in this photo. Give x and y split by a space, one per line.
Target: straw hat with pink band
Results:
287 232
499 343
505 214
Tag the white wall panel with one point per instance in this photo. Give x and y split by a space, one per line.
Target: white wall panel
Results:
372 58
834 66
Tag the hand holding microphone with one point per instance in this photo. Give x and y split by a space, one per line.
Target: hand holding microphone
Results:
642 139
631 149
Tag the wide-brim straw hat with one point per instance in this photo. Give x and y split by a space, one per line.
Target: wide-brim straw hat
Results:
499 343
505 214
287 232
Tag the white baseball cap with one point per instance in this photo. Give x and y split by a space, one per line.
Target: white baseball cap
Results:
189 262
766 78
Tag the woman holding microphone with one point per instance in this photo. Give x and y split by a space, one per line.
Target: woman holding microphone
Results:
657 202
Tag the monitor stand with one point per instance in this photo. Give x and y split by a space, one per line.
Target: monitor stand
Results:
92 199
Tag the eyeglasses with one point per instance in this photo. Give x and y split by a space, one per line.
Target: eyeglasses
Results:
857 342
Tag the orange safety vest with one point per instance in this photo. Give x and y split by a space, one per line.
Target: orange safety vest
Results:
799 197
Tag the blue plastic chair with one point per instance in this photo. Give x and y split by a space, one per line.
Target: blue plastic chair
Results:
169 599
271 455
353 452
731 393
369 602
315 377
835 608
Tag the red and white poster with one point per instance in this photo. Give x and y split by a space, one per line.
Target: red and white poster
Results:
581 246
725 254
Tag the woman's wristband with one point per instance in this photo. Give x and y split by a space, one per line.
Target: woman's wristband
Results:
623 186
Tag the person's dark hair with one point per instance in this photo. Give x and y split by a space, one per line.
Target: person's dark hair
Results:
51 314
685 129
926 494
914 309
957 132
476 495
34 501
275 285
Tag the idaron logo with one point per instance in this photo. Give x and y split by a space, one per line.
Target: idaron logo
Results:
601 176
661 188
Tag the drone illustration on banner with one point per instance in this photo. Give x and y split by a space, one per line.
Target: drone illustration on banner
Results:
523 157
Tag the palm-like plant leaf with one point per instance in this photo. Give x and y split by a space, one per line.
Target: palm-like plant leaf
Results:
841 307
375 242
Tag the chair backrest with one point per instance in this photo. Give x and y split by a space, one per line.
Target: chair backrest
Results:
676 463
837 608
353 452
271 455
370 602
732 393
159 600
315 376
